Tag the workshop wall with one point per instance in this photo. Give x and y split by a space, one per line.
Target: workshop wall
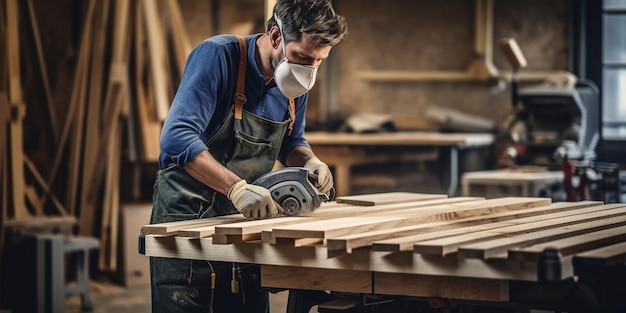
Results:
407 35
423 35
410 35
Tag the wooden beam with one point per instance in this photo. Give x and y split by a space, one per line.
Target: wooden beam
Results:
180 37
571 245
4 125
403 238
44 72
116 97
75 122
345 226
171 228
149 126
316 279
37 175
386 198
444 243
258 226
18 111
91 158
461 288
157 55
605 256
315 257
499 246
406 243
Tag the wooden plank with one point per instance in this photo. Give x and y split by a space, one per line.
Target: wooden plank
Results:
42 224
403 238
386 198
91 158
74 102
51 112
258 226
251 229
419 138
33 199
171 228
110 217
157 55
407 243
605 256
328 210
4 123
149 128
18 111
316 279
449 241
483 250
345 226
463 288
315 257
33 170
115 100
76 122
4 126
197 232
571 245
180 37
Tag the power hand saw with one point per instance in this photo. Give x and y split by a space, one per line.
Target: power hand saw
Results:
294 189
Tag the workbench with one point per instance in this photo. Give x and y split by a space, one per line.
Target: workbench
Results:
342 151
510 182
520 252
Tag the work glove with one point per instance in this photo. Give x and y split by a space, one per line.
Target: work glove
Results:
253 201
324 176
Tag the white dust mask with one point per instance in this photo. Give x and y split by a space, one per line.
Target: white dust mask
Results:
293 80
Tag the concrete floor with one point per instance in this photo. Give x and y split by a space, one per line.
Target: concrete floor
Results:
107 297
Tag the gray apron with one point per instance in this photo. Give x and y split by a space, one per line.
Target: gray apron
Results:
248 147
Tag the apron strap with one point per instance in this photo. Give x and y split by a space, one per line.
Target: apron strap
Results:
292 115
240 97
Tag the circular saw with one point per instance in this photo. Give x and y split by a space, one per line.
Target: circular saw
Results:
293 188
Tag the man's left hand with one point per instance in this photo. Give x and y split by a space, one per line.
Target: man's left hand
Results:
324 176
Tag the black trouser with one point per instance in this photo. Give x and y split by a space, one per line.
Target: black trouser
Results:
176 289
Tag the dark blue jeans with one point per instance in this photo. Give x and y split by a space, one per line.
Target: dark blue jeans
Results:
185 286
180 285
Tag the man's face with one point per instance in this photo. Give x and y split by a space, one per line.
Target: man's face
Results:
300 52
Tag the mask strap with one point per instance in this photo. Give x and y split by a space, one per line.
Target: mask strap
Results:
282 37
240 97
292 115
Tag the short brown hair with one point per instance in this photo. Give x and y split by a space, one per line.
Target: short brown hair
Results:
315 19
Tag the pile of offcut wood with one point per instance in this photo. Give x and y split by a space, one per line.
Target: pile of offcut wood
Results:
123 84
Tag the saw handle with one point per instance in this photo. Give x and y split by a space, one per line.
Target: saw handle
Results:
313 179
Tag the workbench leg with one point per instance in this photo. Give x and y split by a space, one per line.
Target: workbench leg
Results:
41 274
454 171
342 179
56 252
301 301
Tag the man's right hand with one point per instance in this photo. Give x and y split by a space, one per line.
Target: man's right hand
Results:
253 201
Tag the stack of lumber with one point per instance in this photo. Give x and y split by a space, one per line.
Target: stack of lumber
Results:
122 86
398 237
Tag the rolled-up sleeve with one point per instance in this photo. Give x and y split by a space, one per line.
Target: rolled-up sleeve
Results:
193 106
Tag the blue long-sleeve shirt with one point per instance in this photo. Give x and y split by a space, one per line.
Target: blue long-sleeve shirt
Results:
205 96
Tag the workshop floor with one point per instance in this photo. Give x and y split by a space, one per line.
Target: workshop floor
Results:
107 297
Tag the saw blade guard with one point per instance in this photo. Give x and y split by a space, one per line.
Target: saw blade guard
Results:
293 189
